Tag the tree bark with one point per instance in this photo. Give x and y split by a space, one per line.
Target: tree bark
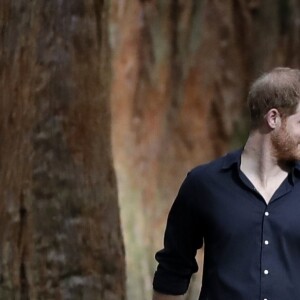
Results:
181 71
59 219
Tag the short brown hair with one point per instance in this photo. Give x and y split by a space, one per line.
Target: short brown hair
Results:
279 88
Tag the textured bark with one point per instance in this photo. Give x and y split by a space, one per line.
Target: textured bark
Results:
181 74
59 225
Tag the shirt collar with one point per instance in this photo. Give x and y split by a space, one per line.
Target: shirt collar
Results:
296 171
297 166
233 158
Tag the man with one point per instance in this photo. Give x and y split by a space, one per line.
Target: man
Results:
245 208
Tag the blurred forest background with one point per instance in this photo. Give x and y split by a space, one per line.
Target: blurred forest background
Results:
105 106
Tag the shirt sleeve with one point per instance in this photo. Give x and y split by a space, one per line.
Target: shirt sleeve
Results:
183 236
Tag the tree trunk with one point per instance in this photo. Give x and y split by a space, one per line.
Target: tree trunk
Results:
181 74
59 220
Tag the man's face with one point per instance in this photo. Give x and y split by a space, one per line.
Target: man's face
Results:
286 139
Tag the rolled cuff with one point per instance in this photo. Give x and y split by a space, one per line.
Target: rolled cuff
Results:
168 283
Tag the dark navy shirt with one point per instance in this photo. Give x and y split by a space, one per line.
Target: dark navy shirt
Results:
252 249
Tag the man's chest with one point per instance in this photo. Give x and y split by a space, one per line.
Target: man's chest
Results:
233 213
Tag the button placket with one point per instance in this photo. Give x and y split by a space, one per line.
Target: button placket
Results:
265 255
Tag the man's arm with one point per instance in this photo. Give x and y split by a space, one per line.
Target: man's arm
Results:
159 296
183 236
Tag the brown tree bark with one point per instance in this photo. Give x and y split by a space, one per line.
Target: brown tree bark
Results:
59 220
181 73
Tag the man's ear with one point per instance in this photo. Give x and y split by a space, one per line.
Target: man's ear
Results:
273 118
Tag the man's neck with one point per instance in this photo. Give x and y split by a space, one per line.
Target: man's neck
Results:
258 161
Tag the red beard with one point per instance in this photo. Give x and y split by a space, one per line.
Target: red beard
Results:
285 147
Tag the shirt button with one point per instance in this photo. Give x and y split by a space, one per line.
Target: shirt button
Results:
266 242
266 213
266 272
